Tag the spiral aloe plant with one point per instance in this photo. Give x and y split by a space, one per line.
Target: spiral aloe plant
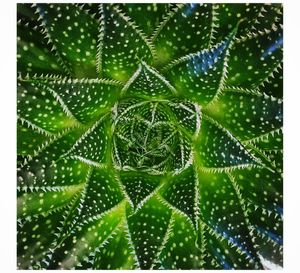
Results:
149 136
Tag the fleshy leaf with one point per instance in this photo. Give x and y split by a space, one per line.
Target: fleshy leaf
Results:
30 138
139 186
239 109
147 232
181 250
39 202
86 99
262 187
147 82
201 74
102 193
147 16
187 184
92 147
74 35
35 237
224 254
122 44
86 239
258 55
42 108
217 148
222 209
34 54
194 20
116 254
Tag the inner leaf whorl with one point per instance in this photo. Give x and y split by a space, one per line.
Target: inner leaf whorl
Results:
154 136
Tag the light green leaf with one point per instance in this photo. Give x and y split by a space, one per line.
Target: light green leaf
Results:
194 20
181 250
86 239
147 232
42 108
73 34
86 99
186 183
118 60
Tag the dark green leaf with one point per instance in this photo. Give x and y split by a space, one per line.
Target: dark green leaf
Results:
246 114
216 147
74 35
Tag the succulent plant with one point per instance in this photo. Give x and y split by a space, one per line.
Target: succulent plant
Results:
149 136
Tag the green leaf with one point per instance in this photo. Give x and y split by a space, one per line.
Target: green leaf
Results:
122 44
86 99
194 20
92 146
74 35
43 201
34 54
42 108
116 254
257 18
139 186
217 148
199 76
222 208
36 236
238 109
147 82
86 239
102 193
187 184
263 55
222 254
46 169
147 232
147 16
262 187
181 250
30 137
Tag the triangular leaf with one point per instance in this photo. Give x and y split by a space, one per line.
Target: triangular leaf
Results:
216 147
147 228
139 186
92 146
222 209
38 105
194 20
102 193
86 239
200 75
238 109
259 55
74 35
181 250
86 99
147 82
120 59
186 184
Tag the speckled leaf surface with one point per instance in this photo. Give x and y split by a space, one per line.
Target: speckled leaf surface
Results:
149 136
